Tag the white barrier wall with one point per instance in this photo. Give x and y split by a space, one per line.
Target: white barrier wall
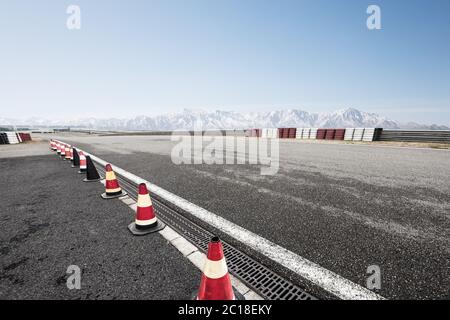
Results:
313 133
269 133
349 134
306 133
369 134
274 133
12 137
358 134
264 133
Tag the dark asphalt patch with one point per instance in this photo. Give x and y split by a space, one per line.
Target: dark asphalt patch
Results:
50 219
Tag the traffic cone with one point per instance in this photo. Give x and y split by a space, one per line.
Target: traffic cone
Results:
76 158
112 188
63 151
82 163
53 143
146 221
216 282
71 154
67 150
58 148
91 171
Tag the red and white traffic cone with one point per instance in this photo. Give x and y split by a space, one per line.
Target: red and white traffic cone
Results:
82 162
146 221
58 148
53 145
63 151
112 188
71 154
216 282
67 150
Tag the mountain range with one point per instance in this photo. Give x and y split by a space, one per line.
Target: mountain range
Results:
189 119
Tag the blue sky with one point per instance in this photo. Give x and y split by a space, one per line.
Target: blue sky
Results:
152 57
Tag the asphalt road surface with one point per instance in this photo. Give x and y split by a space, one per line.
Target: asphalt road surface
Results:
50 219
344 207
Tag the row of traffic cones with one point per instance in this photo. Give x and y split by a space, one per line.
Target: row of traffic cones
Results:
215 283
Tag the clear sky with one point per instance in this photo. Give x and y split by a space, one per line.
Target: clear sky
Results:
151 57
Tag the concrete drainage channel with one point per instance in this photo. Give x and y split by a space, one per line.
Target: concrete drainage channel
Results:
259 278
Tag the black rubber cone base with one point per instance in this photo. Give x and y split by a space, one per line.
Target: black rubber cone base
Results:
140 232
93 180
81 172
105 196
237 295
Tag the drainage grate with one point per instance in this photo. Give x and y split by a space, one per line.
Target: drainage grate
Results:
259 278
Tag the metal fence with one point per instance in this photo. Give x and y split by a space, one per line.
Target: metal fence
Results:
437 136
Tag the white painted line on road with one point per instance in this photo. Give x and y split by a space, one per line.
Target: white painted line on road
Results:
326 279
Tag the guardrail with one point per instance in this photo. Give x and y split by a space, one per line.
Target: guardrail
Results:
437 136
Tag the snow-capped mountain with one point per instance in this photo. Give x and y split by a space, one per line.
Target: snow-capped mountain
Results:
190 119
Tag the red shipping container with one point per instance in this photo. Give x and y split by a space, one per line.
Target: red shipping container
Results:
321 133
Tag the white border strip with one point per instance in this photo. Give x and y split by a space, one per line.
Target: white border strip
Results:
326 279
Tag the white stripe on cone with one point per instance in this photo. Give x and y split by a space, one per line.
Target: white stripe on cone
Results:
145 222
83 161
144 200
215 269
110 175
